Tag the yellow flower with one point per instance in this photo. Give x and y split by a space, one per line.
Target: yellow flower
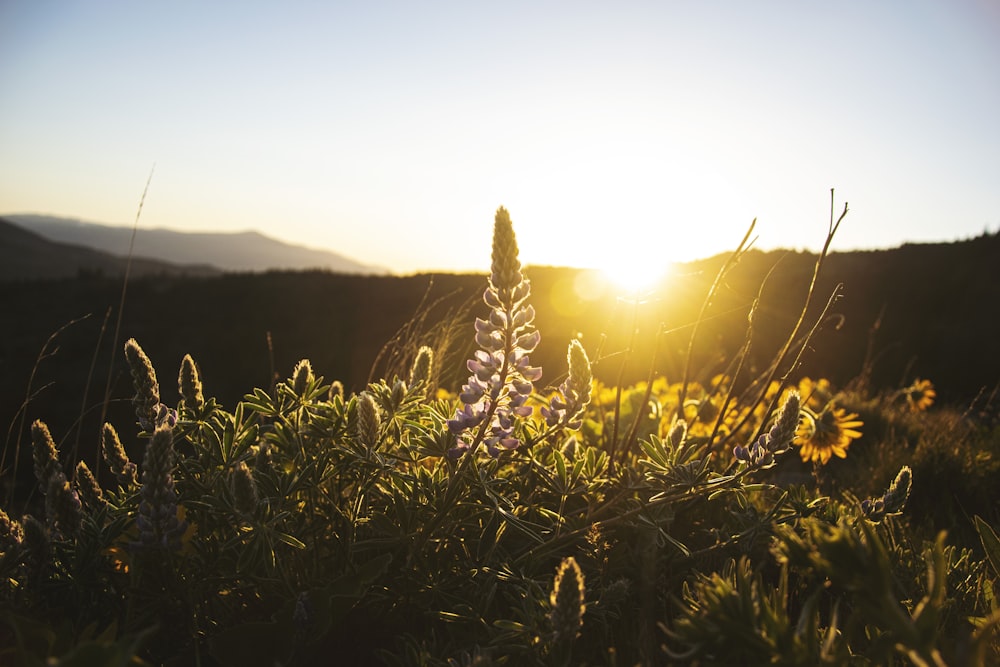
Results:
920 395
827 434
816 395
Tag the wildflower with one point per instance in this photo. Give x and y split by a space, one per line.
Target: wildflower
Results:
423 364
892 501
777 439
567 600
502 376
816 394
244 488
44 454
567 406
149 412
63 508
302 377
336 390
829 433
116 458
190 385
157 518
90 491
920 395
369 420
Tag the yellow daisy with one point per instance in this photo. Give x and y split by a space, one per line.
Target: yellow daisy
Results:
920 395
827 434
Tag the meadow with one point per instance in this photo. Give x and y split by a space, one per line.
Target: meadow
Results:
710 491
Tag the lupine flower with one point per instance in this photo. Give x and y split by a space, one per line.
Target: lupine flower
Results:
423 364
147 390
116 458
336 390
157 518
90 490
567 407
190 385
36 539
567 600
827 434
502 376
11 533
302 376
369 420
63 508
920 395
892 501
776 440
44 454
244 488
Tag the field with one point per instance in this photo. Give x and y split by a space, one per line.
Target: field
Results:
798 466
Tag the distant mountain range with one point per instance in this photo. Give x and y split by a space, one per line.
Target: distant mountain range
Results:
38 246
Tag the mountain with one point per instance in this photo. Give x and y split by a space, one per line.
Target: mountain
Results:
228 251
25 255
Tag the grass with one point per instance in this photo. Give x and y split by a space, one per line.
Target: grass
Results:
509 522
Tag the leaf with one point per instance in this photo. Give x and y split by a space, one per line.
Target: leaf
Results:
991 543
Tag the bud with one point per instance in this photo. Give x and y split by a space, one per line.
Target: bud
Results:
567 600
423 364
369 420
336 390
899 491
63 509
190 385
147 390
44 454
90 490
302 377
244 488
116 458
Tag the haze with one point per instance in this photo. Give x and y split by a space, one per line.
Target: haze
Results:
613 132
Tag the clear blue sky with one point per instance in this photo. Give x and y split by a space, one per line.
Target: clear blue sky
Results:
612 131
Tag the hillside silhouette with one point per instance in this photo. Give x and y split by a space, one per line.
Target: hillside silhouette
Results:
224 251
920 310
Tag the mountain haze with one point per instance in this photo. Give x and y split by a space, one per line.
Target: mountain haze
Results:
25 255
227 251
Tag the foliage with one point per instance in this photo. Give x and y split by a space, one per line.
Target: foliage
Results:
507 524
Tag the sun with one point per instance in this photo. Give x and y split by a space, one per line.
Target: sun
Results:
633 275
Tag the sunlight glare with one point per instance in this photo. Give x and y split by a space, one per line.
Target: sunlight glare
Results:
634 275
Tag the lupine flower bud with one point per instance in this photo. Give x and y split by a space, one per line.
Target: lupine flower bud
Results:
147 390
420 371
369 420
677 433
90 490
11 533
190 385
875 509
781 434
567 600
63 509
44 454
336 390
116 458
244 488
899 491
157 518
566 408
302 376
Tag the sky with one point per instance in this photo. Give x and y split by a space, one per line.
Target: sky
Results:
615 133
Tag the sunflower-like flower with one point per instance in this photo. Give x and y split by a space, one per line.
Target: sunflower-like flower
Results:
829 433
920 395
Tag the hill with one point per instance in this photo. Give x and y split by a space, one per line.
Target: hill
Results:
924 310
25 255
236 251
